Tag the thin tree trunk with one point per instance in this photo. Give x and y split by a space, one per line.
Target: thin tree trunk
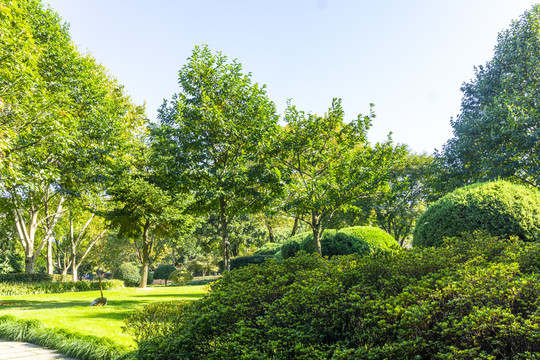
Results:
295 226
271 237
224 234
317 231
145 253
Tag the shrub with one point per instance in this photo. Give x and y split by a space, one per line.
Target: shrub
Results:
180 277
268 249
150 278
475 298
242 261
129 273
358 239
25 278
48 287
163 272
499 208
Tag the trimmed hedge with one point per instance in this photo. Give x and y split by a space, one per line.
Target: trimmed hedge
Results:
352 240
48 287
268 249
475 298
25 278
499 208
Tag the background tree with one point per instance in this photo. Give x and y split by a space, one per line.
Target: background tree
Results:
79 125
145 211
496 135
213 135
330 164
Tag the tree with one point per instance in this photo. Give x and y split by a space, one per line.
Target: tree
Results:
396 210
497 133
73 125
329 164
213 136
147 212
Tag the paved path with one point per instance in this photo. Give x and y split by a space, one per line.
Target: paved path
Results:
10 350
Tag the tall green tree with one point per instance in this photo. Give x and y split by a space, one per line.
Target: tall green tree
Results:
74 125
330 164
497 133
146 212
212 137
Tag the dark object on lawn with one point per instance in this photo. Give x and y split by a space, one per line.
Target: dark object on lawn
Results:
99 301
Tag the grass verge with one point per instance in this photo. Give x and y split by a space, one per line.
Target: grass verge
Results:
67 323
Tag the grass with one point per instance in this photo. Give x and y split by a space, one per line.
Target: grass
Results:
72 311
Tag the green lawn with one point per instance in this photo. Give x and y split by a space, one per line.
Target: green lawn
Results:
72 311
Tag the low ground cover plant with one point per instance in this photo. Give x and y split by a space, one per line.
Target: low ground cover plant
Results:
474 297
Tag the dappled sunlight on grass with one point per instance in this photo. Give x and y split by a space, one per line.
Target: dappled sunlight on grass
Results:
72 310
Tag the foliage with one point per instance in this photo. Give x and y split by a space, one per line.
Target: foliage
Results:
69 124
213 135
154 319
25 278
163 272
180 277
499 208
53 287
241 261
328 164
150 279
129 273
496 134
473 298
268 249
357 239
83 347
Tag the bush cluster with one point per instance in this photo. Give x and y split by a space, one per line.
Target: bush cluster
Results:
25 278
353 240
163 272
499 208
474 298
53 287
129 273
268 249
180 277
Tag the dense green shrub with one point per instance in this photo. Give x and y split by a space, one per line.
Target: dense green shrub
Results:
53 287
180 277
129 273
10 262
499 208
154 319
268 249
242 261
475 298
163 272
25 278
358 239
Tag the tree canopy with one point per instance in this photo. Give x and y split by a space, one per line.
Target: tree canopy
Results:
497 133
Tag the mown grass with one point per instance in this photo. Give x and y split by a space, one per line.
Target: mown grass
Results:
72 311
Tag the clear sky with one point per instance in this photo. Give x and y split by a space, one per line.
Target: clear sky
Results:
408 57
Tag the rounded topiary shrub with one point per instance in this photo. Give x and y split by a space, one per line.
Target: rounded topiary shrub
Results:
268 249
129 273
497 208
163 272
352 240
180 277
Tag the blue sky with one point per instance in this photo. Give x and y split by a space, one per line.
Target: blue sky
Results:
409 58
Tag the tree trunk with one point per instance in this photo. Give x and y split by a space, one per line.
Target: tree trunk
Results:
224 234
271 237
50 268
145 254
317 231
29 264
295 226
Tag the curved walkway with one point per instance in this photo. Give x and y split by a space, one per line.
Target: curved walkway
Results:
10 350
